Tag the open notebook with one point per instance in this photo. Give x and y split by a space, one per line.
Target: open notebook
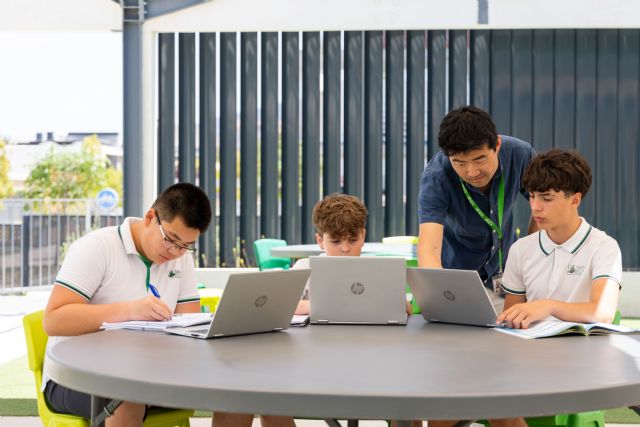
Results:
551 328
182 320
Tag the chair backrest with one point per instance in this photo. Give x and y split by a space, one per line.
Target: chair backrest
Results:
36 339
264 259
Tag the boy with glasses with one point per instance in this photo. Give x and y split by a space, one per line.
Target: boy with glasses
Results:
142 269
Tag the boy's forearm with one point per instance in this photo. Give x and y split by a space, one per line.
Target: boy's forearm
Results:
78 319
587 312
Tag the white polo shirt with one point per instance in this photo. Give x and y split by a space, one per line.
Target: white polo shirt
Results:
104 267
541 269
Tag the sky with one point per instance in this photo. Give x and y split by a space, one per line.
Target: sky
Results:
60 82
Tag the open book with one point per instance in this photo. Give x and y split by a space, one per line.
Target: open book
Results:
183 320
552 328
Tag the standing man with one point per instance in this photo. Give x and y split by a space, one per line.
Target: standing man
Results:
467 193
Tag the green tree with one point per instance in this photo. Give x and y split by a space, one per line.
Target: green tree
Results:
6 187
73 175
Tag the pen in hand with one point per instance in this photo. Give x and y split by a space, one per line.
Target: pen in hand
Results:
154 291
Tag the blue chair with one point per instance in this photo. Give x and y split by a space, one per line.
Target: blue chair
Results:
264 259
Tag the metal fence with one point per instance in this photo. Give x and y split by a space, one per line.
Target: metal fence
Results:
35 234
276 120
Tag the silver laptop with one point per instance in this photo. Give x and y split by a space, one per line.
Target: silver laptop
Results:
451 296
360 290
252 303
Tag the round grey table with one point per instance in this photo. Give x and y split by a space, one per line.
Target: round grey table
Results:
303 251
421 371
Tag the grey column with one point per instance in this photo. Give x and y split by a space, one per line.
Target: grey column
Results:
132 119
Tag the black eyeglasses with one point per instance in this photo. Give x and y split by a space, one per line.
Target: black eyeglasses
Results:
170 244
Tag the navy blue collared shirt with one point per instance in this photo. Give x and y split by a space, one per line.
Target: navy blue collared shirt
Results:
468 242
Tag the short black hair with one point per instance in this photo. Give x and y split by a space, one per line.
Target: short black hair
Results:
466 128
187 202
558 170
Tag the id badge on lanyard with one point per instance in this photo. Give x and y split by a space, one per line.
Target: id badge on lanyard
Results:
496 280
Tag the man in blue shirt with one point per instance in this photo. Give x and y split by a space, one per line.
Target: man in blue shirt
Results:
467 194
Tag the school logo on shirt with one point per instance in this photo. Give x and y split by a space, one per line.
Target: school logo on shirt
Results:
575 270
175 274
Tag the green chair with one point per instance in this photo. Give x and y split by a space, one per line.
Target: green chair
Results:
36 347
264 259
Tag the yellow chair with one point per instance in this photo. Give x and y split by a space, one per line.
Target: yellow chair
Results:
36 347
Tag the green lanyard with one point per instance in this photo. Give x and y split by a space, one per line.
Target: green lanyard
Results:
491 224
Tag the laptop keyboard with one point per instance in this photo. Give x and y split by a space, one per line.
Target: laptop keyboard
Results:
199 331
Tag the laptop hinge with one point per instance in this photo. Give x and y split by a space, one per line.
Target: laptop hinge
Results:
392 322
321 321
278 329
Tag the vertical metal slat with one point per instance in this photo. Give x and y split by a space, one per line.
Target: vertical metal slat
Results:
228 228
415 124
166 114
248 142
394 144
373 134
187 108
354 113
290 218
310 130
269 136
436 87
207 168
331 113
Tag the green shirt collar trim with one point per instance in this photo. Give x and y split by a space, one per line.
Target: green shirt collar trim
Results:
572 245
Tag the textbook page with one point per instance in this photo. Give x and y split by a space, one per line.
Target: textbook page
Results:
182 320
551 328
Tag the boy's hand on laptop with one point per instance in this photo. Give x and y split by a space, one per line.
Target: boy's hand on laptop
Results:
521 316
149 308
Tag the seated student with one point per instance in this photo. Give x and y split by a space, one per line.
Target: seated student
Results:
340 221
109 276
569 270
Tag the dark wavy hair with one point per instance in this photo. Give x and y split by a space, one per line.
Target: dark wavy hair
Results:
558 170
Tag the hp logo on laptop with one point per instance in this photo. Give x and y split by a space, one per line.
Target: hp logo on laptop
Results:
357 288
449 295
260 301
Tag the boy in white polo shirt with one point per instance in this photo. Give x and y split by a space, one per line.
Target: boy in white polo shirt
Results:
109 276
569 269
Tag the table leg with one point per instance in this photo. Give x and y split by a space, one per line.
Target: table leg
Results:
352 423
97 405
101 410
332 422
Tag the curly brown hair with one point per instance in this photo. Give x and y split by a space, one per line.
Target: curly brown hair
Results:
558 170
340 215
